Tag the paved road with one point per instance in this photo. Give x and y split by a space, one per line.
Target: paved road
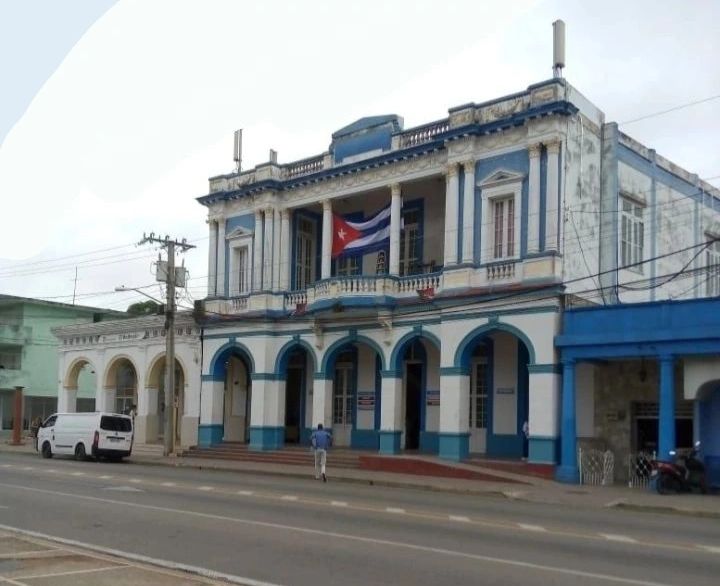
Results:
294 531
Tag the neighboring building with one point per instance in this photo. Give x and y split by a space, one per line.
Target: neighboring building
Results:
442 337
28 354
127 359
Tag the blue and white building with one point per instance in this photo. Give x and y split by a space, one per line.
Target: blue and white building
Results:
441 338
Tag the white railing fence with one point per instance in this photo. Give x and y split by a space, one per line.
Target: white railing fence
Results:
597 467
639 469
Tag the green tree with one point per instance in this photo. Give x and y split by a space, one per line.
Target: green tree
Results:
143 308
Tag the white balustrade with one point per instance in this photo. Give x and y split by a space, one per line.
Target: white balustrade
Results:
501 270
422 134
239 304
413 283
304 167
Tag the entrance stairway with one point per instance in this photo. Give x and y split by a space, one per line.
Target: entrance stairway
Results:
298 456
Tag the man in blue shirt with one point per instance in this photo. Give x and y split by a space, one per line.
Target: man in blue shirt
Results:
321 441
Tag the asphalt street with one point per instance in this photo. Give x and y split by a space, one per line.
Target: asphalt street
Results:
294 531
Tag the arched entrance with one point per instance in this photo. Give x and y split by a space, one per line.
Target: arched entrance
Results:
296 366
354 368
237 397
121 386
155 388
417 360
79 388
496 361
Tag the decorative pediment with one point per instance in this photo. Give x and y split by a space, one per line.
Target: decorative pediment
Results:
239 232
501 177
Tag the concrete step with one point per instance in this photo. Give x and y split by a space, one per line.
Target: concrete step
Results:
147 450
299 456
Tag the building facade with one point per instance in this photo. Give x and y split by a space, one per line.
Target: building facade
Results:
28 354
442 338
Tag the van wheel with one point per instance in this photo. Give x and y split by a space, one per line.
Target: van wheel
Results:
47 450
80 452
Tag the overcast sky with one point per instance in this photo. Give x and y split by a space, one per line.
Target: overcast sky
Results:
111 128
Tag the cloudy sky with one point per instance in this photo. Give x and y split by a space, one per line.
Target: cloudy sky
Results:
113 114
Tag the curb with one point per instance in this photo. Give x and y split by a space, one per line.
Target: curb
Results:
664 510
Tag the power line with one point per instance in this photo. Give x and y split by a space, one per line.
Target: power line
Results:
673 109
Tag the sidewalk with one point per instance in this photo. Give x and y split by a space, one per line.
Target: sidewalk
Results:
510 485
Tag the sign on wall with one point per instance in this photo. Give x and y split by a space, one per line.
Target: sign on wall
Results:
366 400
432 398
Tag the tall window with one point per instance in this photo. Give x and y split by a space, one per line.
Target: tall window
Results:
348 265
410 243
479 390
344 390
632 235
243 273
712 264
305 267
504 227
125 388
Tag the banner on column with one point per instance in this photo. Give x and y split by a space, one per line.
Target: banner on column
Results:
366 400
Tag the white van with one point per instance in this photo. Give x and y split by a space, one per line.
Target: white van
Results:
86 434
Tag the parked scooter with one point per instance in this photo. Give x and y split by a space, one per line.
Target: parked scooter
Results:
686 473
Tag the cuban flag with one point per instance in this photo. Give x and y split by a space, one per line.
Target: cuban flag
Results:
360 237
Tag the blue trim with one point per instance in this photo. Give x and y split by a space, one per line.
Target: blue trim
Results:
378 394
266 438
389 442
209 434
568 470
328 359
305 433
398 351
666 419
211 378
281 360
265 376
232 348
453 446
466 347
364 439
544 368
429 442
454 370
543 450
522 404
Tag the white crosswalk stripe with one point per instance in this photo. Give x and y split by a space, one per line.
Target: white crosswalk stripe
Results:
620 538
528 527
394 510
460 518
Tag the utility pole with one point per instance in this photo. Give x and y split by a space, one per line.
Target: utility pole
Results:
169 434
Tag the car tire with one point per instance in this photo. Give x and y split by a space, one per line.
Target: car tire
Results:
46 450
80 454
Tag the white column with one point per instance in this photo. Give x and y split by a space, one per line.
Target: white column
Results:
322 403
552 199
105 399
391 390
220 288
268 252
395 217
468 250
211 402
327 236
285 250
533 229
544 404
451 214
454 403
212 258
67 400
276 250
257 252
146 425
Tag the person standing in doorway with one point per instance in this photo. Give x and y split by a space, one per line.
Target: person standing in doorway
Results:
321 441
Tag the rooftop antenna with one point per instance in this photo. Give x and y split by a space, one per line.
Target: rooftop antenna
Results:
237 151
558 48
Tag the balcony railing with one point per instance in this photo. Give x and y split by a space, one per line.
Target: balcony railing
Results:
501 270
424 133
305 167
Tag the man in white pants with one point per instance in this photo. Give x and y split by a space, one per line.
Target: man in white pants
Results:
321 441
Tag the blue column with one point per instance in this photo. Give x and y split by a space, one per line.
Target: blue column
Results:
666 424
568 470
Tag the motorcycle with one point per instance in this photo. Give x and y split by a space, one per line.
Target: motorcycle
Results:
685 473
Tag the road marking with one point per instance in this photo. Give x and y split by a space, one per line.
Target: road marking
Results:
133 557
78 474
245 492
7 465
395 510
3 507
123 489
620 538
135 480
51 470
27 468
32 553
527 527
710 548
72 572
459 518
106 477
338 504
288 497
374 541
168 484
206 488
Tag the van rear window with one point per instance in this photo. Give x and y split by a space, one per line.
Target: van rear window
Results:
115 424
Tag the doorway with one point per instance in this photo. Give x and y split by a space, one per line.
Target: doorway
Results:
413 396
293 391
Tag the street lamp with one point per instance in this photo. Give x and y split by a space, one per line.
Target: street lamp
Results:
169 439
